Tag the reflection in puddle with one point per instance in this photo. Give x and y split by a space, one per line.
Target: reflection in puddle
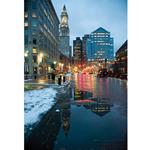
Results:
96 118
78 95
84 101
99 106
99 123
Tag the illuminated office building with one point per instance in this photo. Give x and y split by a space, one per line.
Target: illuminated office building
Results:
100 45
77 51
41 34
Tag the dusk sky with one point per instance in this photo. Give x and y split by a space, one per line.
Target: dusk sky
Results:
85 16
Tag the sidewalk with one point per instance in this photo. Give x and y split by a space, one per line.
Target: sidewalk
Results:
46 83
40 81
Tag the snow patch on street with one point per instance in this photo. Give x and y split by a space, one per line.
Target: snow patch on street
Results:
36 103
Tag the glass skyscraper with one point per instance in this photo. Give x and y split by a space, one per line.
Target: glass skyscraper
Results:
100 45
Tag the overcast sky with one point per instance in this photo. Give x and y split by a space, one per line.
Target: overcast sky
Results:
86 16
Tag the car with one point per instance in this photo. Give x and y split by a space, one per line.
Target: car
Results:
102 73
123 76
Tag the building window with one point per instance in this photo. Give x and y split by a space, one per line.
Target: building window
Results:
45 12
34 4
26 24
26 32
34 41
34 58
34 23
34 15
26 20
26 5
34 50
45 26
26 15
26 40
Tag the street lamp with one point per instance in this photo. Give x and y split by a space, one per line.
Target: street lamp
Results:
26 54
41 55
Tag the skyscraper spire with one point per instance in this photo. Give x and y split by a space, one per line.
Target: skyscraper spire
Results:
64 17
64 8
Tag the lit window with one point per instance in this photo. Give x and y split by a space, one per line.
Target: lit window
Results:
34 50
34 15
26 15
26 24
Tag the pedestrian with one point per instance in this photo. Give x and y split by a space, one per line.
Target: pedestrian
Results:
35 73
53 76
64 78
35 77
59 80
48 75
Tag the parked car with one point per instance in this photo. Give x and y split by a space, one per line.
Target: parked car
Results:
102 73
123 76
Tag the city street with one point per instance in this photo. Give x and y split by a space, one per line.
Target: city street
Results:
88 114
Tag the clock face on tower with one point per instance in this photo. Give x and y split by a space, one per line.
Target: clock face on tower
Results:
64 20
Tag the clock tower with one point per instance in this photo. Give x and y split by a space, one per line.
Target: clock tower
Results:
64 33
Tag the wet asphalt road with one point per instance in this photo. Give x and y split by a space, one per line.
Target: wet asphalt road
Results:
90 114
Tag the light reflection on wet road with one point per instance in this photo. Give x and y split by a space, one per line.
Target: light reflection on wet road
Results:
92 116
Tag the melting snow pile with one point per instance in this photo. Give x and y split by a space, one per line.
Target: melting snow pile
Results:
36 103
